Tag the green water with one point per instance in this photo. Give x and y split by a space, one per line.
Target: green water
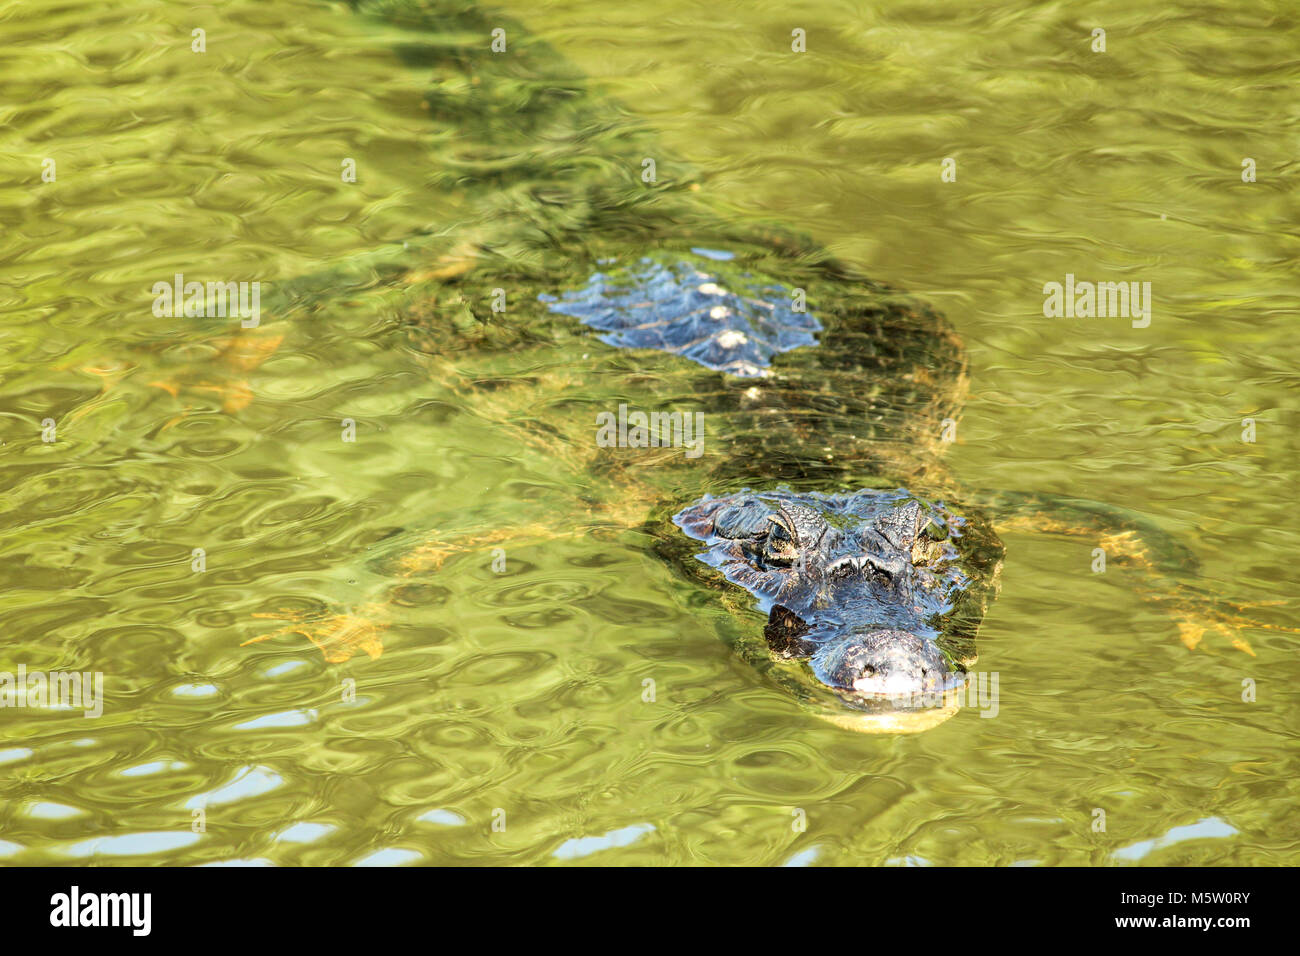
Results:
518 696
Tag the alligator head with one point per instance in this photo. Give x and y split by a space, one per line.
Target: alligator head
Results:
876 592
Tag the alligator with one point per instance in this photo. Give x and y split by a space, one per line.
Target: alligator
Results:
579 286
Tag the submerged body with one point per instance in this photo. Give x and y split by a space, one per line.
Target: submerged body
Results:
578 287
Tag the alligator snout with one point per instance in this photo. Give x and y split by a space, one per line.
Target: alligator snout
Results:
885 664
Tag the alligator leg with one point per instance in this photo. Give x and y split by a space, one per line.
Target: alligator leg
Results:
430 555
1137 543
340 632
507 403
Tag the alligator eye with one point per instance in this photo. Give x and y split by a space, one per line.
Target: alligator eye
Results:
780 554
780 547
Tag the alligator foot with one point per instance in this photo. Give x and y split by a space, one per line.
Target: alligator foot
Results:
1222 617
235 354
338 636
234 395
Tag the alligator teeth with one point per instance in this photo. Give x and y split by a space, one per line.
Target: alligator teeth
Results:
861 562
848 560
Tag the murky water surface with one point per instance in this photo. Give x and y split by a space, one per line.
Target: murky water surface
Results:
515 696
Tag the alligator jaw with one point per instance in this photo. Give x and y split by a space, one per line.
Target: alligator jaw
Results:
891 722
